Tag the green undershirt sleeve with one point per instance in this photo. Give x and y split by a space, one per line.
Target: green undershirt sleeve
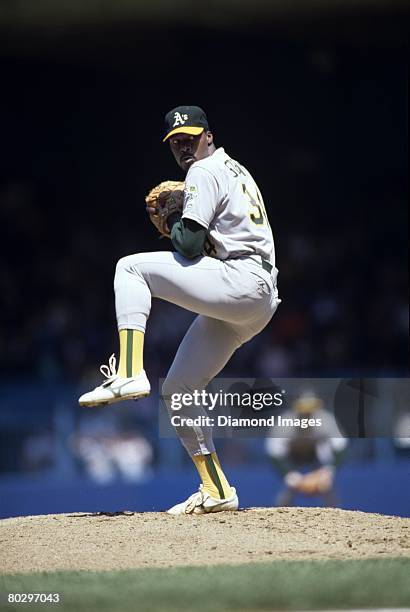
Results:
187 236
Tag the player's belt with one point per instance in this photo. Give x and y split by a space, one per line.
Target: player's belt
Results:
266 265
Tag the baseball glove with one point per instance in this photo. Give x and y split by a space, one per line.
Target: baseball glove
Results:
163 200
316 482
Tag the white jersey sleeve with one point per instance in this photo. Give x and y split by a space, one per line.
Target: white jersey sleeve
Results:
222 196
201 196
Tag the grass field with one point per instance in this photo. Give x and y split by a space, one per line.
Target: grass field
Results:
296 585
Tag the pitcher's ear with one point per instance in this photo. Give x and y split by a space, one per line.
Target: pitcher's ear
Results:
209 138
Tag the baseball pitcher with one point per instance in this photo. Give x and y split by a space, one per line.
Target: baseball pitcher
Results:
223 268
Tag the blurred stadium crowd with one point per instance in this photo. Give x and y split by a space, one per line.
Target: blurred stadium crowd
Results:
344 311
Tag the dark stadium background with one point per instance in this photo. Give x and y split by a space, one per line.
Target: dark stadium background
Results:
313 102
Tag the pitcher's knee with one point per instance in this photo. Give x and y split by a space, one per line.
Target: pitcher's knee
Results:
125 266
120 271
124 263
134 263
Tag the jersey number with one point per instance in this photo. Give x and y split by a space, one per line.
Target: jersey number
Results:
257 210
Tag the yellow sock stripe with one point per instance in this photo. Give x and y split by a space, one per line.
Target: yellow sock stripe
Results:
137 351
213 474
130 335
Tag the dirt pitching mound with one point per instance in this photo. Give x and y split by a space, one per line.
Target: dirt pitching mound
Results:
105 541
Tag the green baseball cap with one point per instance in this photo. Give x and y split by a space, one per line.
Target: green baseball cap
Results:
185 120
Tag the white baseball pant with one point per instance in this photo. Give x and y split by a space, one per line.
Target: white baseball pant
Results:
235 299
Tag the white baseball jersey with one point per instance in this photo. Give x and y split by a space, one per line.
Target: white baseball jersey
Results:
222 196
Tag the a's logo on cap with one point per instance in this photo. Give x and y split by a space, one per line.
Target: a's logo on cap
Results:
179 119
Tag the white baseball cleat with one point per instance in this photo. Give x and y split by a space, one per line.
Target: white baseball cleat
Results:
116 388
202 503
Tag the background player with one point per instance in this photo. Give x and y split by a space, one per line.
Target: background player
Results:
223 270
307 458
